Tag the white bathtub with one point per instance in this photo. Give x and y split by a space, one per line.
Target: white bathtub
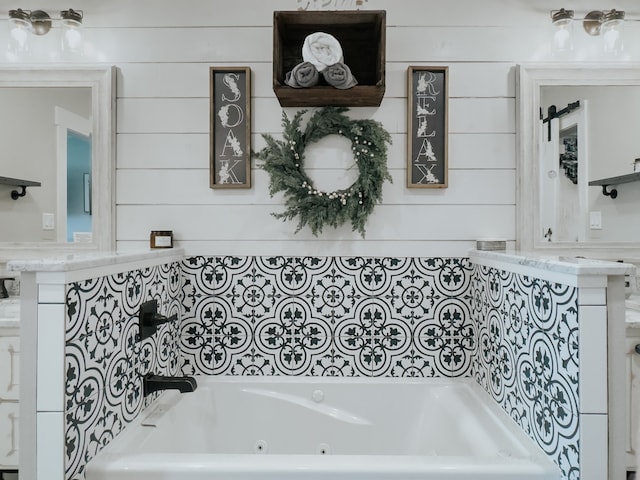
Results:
252 428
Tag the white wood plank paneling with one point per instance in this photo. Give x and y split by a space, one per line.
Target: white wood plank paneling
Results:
162 44
163 132
163 121
191 187
254 222
465 79
445 43
482 150
442 43
163 115
191 150
197 13
482 115
189 115
371 248
176 151
191 80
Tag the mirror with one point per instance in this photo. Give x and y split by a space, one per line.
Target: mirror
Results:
577 129
71 114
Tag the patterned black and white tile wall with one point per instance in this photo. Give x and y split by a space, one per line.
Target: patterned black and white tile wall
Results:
105 359
327 316
527 357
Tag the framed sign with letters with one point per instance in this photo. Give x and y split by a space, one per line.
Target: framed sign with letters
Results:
230 135
427 127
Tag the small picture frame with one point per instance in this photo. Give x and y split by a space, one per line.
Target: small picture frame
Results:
427 127
230 132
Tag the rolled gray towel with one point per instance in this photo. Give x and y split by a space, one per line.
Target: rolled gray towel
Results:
339 75
303 75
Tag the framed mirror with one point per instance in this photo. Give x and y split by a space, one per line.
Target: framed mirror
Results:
577 130
60 125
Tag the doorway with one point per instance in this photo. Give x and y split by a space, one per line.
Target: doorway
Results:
74 177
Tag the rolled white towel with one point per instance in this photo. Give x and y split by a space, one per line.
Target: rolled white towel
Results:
322 50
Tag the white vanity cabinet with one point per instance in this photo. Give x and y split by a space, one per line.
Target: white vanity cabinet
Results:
9 391
633 394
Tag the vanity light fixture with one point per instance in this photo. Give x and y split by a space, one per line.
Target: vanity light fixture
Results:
606 23
22 23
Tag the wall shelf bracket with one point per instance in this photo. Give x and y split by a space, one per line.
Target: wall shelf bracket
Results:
16 195
613 193
608 182
16 182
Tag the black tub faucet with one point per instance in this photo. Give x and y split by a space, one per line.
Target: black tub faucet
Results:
153 383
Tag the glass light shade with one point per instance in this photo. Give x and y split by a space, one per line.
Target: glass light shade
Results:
612 32
563 30
19 26
563 37
72 40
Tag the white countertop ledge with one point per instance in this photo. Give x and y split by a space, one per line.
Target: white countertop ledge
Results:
555 263
78 261
9 323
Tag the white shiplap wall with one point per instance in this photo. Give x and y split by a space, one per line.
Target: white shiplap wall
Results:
164 49
163 122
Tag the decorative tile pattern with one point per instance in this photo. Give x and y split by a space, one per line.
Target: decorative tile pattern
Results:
105 359
326 316
527 357
332 316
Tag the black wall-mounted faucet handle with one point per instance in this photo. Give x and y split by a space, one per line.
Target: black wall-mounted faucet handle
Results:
3 289
149 319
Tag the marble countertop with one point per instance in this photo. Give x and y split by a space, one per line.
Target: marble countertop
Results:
77 261
556 263
632 311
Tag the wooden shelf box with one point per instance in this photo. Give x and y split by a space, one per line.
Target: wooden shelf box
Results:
362 35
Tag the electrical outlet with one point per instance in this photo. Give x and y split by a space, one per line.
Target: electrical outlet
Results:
48 221
595 220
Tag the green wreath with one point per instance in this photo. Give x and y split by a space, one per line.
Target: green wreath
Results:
284 161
